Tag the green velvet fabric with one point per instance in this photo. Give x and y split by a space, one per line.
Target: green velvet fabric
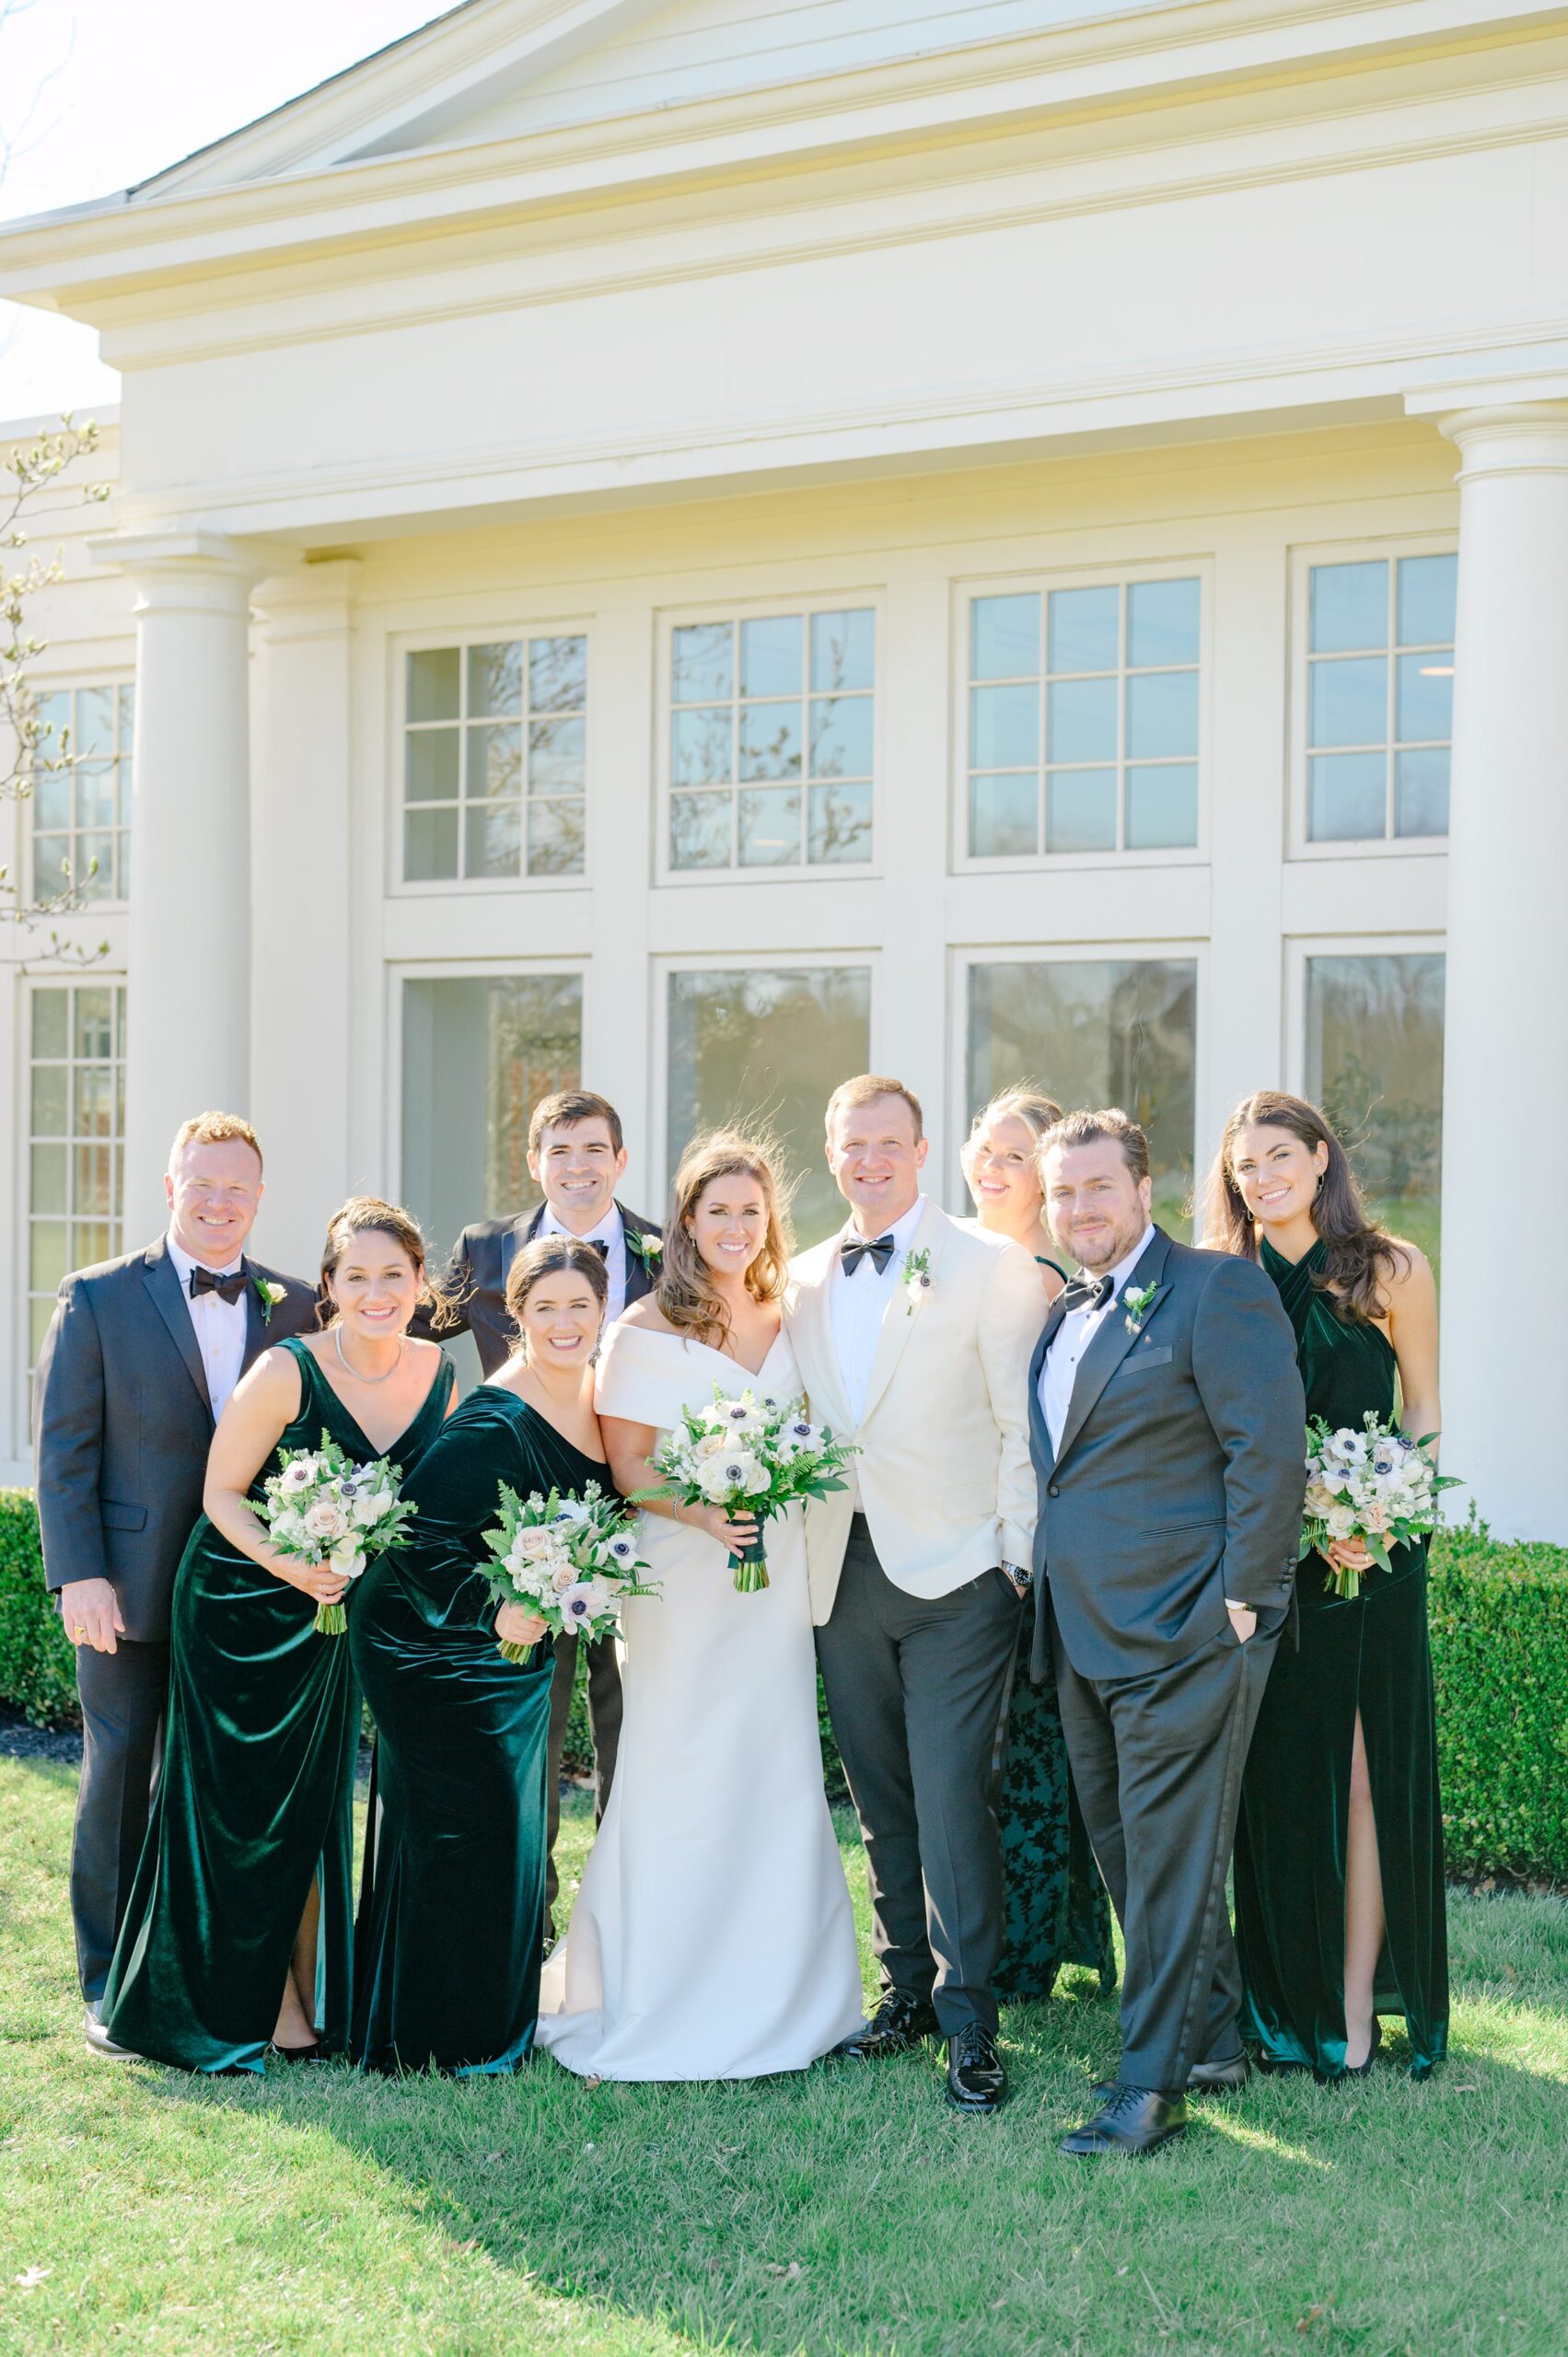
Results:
452 1923
1058 1909
255 1799
1371 1654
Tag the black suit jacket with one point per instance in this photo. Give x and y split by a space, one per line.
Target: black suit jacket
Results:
475 1281
123 1423
1180 1475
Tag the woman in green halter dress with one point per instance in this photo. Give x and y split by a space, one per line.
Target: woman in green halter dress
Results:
451 1927
1340 1909
236 1938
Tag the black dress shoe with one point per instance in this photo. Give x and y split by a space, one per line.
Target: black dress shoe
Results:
976 2080
898 2027
1364 2070
1136 2121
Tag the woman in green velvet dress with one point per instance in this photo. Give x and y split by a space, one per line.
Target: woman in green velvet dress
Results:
452 1924
1340 1912
1058 1909
238 1935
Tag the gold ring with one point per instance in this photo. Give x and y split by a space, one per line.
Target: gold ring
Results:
80 1631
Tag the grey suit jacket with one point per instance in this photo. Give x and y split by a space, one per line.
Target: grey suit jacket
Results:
1182 1471
475 1281
123 1421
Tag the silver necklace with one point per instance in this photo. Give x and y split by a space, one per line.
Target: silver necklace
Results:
343 1360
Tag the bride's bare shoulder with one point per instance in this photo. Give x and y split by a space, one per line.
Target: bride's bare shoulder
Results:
646 1317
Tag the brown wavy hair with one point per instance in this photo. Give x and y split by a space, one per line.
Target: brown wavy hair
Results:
369 1216
684 1290
1360 1259
541 1258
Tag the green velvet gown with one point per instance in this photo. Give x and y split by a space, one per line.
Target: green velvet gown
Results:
451 1927
255 1799
1368 1652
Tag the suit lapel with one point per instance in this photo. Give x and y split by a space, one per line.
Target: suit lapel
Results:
638 1281
162 1281
899 1315
255 1325
1038 1428
1110 1345
815 1353
521 1232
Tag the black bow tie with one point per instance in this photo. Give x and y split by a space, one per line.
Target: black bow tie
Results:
854 1249
600 1244
1087 1293
206 1281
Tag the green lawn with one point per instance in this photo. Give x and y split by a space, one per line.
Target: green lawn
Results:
843 2211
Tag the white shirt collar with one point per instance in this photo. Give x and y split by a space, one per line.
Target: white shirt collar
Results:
607 1231
902 1230
184 1264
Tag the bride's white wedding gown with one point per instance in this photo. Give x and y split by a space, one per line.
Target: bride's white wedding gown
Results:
713 1936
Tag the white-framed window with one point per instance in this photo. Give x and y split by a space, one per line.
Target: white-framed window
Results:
1117 1028
1366 1029
1082 720
1375 700
770 740
80 812
76 1131
493 758
764 1043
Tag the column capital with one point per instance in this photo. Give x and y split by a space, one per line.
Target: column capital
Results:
186 566
1508 438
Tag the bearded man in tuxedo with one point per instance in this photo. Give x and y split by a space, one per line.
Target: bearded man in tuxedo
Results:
577 1157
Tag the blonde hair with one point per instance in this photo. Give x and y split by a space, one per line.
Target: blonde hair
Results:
369 1216
864 1089
1023 1103
684 1290
213 1129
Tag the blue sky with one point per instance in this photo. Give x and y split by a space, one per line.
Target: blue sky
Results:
97 94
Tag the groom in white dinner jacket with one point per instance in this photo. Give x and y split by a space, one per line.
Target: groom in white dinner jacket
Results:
914 1336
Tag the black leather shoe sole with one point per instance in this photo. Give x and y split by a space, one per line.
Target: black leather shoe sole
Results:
977 2106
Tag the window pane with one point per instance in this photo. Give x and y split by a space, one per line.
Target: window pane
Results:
94 1190
700 746
1081 720
496 678
95 791
50 865
840 822
701 662
1162 622
430 764
48 1255
770 741
1420 791
95 722
93 1030
841 737
48 1179
56 730
430 845
769 1042
1162 807
51 798
1349 702
1348 607
50 1022
556 753
432 680
123 804
48 1091
1423 699
93 1109
1004 727
1003 816
1426 593
1080 810
127 713
555 838
700 830
770 652
1346 797
1162 714
1099 1031
492 839
844 649
1005 638
1375 1063
495 763
770 826
1084 629
95 867
558 674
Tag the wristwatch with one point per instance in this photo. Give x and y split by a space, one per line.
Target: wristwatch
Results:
1023 1581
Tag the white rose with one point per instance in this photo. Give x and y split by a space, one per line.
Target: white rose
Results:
347 1558
713 1445
325 1519
534 1544
562 1575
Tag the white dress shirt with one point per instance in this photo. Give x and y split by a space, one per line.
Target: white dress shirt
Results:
611 1234
218 1326
1073 1338
857 1303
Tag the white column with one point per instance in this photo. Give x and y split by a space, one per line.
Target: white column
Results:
302 896
187 1014
1505 1104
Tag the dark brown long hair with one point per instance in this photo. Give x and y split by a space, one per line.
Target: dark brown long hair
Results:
541 1258
1360 1260
684 1289
369 1216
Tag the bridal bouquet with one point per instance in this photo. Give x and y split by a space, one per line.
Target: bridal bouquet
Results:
1375 1486
754 1457
321 1507
569 1560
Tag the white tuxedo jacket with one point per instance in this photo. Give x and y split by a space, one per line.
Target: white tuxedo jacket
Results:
944 1479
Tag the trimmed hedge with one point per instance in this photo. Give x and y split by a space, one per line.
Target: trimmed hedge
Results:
1499 1646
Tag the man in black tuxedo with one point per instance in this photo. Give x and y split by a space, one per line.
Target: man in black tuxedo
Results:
577 1156
140 1358
1167 1428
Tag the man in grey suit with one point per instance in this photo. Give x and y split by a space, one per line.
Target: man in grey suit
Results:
140 1357
1167 1428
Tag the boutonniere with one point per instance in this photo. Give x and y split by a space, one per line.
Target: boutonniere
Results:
1135 1302
917 1279
269 1295
647 1247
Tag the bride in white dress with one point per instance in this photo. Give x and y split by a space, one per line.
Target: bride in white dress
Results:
713 1936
